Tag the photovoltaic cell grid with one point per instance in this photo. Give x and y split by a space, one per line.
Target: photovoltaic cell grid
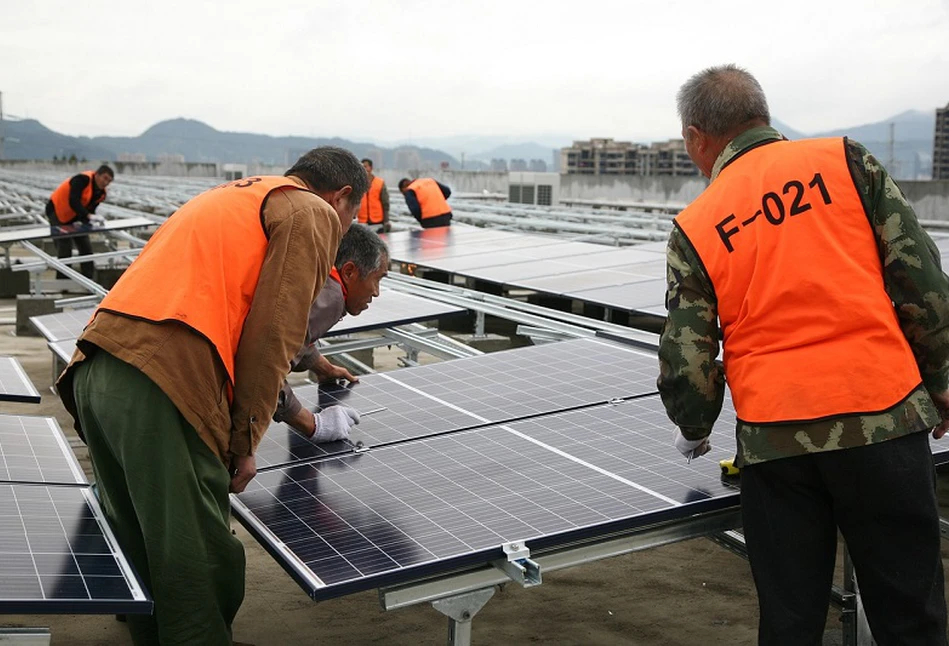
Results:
393 308
62 325
34 450
57 555
409 510
407 414
460 394
15 385
506 385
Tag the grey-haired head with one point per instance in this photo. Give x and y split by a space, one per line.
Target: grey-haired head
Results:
722 100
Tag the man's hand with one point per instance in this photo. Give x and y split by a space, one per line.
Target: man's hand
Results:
243 470
333 423
942 405
326 371
691 448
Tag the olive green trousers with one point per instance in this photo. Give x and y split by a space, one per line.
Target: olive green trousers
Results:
165 494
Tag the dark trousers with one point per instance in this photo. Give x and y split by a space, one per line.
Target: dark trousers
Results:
882 498
83 246
165 494
64 246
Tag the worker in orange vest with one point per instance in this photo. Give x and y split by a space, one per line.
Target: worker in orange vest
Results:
807 262
427 200
374 210
69 208
175 378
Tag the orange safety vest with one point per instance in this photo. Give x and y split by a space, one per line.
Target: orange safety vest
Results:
809 330
370 211
430 197
60 198
201 267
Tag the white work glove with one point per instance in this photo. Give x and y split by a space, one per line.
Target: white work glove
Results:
691 448
333 423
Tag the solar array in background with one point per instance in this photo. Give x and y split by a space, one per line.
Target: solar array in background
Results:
628 278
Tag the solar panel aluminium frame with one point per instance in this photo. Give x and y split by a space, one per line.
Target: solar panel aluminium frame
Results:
140 603
10 368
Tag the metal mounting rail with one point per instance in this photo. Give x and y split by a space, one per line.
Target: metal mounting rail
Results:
65 269
518 311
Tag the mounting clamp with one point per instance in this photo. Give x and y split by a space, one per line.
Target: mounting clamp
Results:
518 565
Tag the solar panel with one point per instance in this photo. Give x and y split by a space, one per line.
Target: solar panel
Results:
632 296
465 393
68 324
15 385
581 280
401 512
35 233
394 308
507 385
408 413
59 555
34 449
63 349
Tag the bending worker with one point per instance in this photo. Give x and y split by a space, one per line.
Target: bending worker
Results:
427 200
361 263
806 261
175 378
71 204
374 210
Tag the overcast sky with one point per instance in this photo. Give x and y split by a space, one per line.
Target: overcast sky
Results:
411 69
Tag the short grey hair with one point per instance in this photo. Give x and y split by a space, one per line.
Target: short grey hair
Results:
329 168
363 248
721 99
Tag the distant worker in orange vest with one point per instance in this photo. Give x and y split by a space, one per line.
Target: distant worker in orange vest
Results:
175 378
427 200
374 210
69 208
808 264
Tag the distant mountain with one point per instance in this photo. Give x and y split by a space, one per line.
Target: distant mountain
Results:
787 130
477 146
913 131
196 141
910 156
30 139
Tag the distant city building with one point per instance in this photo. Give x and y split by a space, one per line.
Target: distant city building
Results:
499 165
604 156
171 157
555 160
132 157
537 166
667 158
377 155
518 165
941 144
407 159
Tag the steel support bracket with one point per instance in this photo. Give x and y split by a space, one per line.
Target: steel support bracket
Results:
460 610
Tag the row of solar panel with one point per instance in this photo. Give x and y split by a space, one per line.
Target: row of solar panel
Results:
630 278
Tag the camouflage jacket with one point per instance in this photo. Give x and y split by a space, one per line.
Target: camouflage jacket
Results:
692 381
